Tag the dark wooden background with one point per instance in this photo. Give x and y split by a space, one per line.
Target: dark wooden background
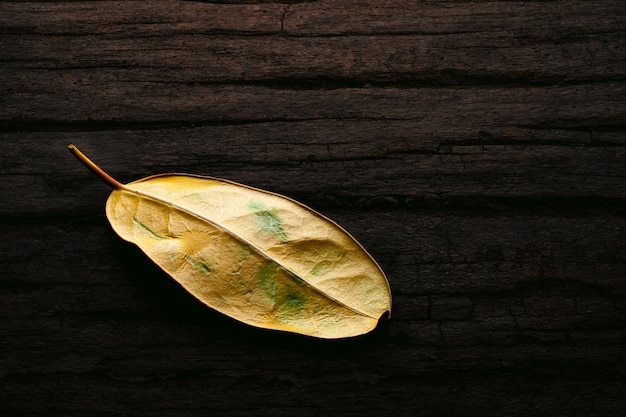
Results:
476 148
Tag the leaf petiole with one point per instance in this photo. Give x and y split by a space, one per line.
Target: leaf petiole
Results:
106 178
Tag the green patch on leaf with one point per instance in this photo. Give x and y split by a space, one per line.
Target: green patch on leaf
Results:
294 301
290 300
145 228
244 253
267 278
200 264
268 221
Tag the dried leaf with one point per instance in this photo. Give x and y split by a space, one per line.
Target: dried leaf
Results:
256 256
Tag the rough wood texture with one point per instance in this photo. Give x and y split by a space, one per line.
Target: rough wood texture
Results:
477 149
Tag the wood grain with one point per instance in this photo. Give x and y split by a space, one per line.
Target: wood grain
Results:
475 148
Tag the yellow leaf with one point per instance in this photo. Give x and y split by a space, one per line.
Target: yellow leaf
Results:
256 256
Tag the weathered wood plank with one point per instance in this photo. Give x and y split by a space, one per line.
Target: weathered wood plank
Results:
63 97
413 59
360 163
432 43
530 19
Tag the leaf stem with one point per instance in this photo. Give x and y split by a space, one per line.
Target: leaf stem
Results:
106 178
